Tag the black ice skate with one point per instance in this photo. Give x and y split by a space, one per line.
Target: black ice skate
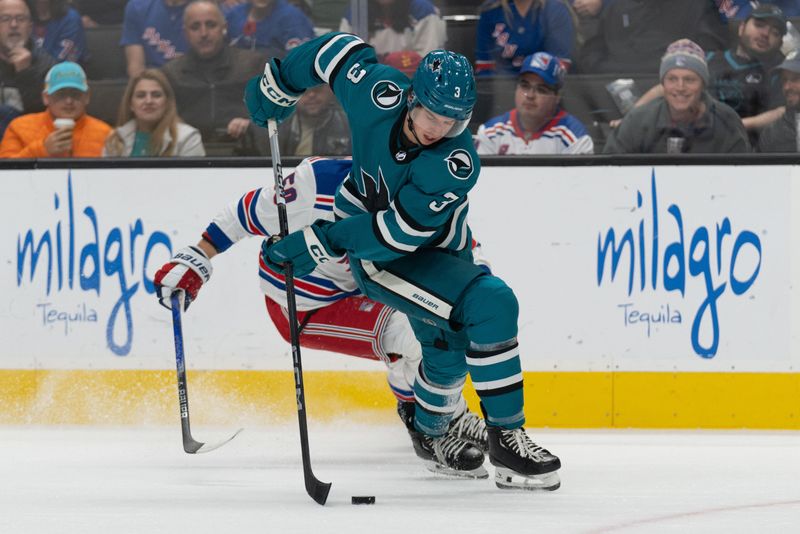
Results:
446 455
471 428
520 463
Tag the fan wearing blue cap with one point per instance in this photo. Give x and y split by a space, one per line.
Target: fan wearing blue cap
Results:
537 124
64 129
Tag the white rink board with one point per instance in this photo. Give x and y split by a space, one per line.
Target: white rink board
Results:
540 228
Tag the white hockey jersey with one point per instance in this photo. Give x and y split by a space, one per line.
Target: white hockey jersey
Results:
503 135
309 192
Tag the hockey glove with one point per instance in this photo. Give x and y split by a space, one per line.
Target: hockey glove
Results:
304 249
188 269
267 97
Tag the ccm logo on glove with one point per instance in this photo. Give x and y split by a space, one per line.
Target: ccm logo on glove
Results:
272 90
316 248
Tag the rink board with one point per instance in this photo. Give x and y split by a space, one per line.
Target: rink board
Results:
649 297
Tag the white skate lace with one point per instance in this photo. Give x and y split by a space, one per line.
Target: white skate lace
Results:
471 427
447 447
518 441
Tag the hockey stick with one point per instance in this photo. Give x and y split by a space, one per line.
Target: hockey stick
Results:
190 445
316 489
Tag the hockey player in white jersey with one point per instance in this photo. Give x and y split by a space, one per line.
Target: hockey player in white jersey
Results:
332 313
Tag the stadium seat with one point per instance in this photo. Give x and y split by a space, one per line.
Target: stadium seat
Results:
461 30
106 96
106 57
457 7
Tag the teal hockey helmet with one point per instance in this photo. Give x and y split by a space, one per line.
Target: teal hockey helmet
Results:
444 84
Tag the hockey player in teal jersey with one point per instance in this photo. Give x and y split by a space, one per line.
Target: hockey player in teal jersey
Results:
402 220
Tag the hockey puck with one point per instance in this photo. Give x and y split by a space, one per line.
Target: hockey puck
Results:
369 499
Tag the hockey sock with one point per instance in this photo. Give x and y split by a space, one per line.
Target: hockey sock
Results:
436 405
497 377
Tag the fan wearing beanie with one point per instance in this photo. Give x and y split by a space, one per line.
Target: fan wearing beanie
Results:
686 119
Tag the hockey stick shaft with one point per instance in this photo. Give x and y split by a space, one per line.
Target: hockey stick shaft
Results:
190 445
316 489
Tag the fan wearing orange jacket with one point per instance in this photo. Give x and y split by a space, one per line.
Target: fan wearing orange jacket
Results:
63 130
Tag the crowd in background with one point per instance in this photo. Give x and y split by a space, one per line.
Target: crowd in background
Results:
554 76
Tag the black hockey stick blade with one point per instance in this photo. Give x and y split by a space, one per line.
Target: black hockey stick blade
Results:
190 445
316 489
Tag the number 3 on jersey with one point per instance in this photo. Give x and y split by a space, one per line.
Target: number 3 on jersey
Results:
356 73
438 206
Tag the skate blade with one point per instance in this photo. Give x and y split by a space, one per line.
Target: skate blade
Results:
441 469
507 479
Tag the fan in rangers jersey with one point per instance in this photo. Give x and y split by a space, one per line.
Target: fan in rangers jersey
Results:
537 124
333 314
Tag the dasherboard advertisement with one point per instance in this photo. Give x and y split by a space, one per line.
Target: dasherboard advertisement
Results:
616 268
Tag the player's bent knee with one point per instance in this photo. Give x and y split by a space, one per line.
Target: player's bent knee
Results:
489 294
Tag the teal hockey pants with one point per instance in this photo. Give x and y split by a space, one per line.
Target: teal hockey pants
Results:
466 321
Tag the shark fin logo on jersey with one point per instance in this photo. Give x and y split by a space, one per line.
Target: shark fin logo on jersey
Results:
373 194
386 94
459 163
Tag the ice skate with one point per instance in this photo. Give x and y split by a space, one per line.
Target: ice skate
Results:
520 463
445 455
472 428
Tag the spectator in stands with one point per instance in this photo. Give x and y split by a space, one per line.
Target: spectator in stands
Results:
742 77
148 123
633 34
100 12
395 25
588 13
275 26
686 118
537 124
781 135
64 130
152 33
22 65
209 79
58 29
510 30
741 9
318 128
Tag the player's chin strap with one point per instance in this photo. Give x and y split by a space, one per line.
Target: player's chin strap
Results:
411 126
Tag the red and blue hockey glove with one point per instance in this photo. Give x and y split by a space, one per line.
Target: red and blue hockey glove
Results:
188 269
304 249
267 97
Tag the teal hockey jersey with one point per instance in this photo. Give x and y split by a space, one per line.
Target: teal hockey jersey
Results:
397 199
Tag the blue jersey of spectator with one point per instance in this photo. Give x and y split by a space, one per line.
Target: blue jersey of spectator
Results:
505 37
740 9
155 26
63 38
282 28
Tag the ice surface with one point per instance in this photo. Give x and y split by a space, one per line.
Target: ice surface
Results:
138 480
